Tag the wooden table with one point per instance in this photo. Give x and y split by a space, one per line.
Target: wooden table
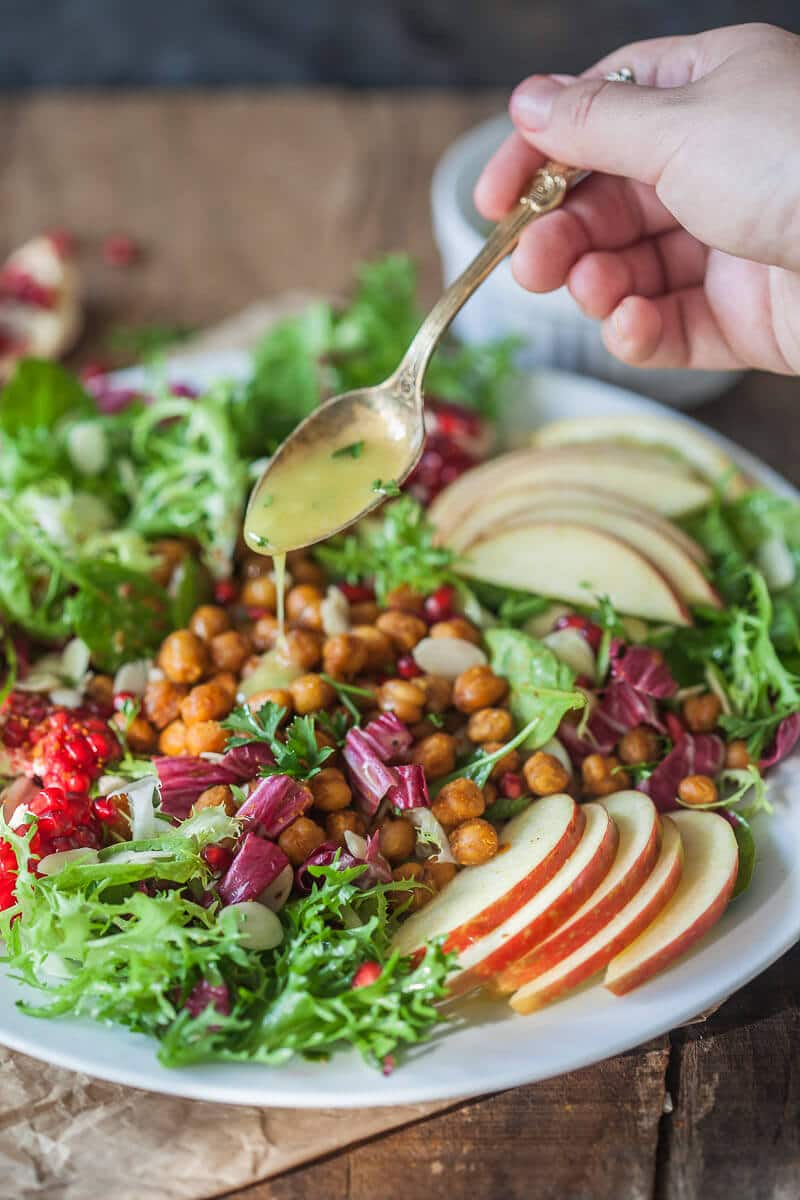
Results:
236 195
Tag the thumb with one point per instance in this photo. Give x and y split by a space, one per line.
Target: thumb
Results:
617 128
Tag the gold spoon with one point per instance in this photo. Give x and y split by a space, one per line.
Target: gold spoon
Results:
304 495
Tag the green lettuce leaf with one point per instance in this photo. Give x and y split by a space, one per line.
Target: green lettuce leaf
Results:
541 684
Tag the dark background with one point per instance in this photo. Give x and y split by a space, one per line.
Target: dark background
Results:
361 43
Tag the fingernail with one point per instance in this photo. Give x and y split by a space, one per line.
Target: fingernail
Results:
532 101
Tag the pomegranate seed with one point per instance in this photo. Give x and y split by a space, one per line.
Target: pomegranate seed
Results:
104 808
407 667
255 612
93 370
123 698
388 1064
219 858
62 241
119 250
77 781
80 751
225 591
439 605
593 633
356 593
511 785
366 974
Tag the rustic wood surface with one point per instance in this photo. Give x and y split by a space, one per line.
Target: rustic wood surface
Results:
235 196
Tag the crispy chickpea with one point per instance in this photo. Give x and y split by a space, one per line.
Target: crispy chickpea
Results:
228 682
304 570
364 612
545 775
140 734
474 842
338 823
438 692
380 651
701 713
402 628
438 874
208 620
280 696
206 702
183 657
324 739
435 754
264 632
173 739
230 650
100 688
344 655
260 592
257 564
330 790
698 790
489 794
300 839
302 648
423 729
601 775
404 698
161 703
737 755
417 897
639 745
169 552
405 599
456 627
310 693
508 762
478 687
490 725
216 797
206 737
398 837
458 801
304 606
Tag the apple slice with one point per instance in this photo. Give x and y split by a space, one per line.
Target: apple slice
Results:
645 430
40 307
583 871
532 848
709 877
575 562
589 958
639 828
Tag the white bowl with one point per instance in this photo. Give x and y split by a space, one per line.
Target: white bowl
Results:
556 333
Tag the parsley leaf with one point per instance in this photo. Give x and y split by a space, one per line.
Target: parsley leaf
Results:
353 450
250 726
297 755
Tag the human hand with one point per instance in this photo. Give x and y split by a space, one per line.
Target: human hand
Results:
686 244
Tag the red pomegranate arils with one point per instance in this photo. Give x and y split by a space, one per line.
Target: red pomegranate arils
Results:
119 250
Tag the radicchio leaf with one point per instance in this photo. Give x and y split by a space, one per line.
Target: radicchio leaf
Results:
273 804
184 776
694 754
786 738
205 994
412 789
377 868
369 774
388 736
644 669
244 761
255 865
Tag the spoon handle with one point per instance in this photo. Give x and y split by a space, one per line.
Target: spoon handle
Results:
545 192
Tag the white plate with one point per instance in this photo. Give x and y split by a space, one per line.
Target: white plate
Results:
494 1049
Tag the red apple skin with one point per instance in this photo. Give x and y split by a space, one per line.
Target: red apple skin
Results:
561 944
677 947
585 970
542 926
494 914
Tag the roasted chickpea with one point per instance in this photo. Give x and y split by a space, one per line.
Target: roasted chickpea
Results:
458 801
490 725
456 627
435 754
737 755
173 739
169 552
380 651
280 696
228 682
438 874
183 657
405 599
698 790
100 689
402 628
139 733
206 737
206 702
216 797
208 620
404 698
438 692
161 703
264 632
639 745
478 687
304 606
602 775
337 823
508 762
324 739
474 842
344 655
545 775
701 713
230 650
330 790
257 564
364 612
310 693
416 898
397 839
304 570
489 794
260 592
302 648
300 839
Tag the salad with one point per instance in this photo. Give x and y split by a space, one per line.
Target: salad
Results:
515 734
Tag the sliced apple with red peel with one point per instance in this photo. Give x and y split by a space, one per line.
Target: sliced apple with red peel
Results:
637 821
532 923
40 307
709 877
631 920
533 846
577 563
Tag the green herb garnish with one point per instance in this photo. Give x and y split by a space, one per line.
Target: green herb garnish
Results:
297 755
353 450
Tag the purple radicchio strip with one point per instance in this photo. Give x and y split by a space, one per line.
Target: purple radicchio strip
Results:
369 774
644 669
205 994
244 762
412 789
377 868
694 754
256 864
787 735
273 804
388 736
621 708
183 777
